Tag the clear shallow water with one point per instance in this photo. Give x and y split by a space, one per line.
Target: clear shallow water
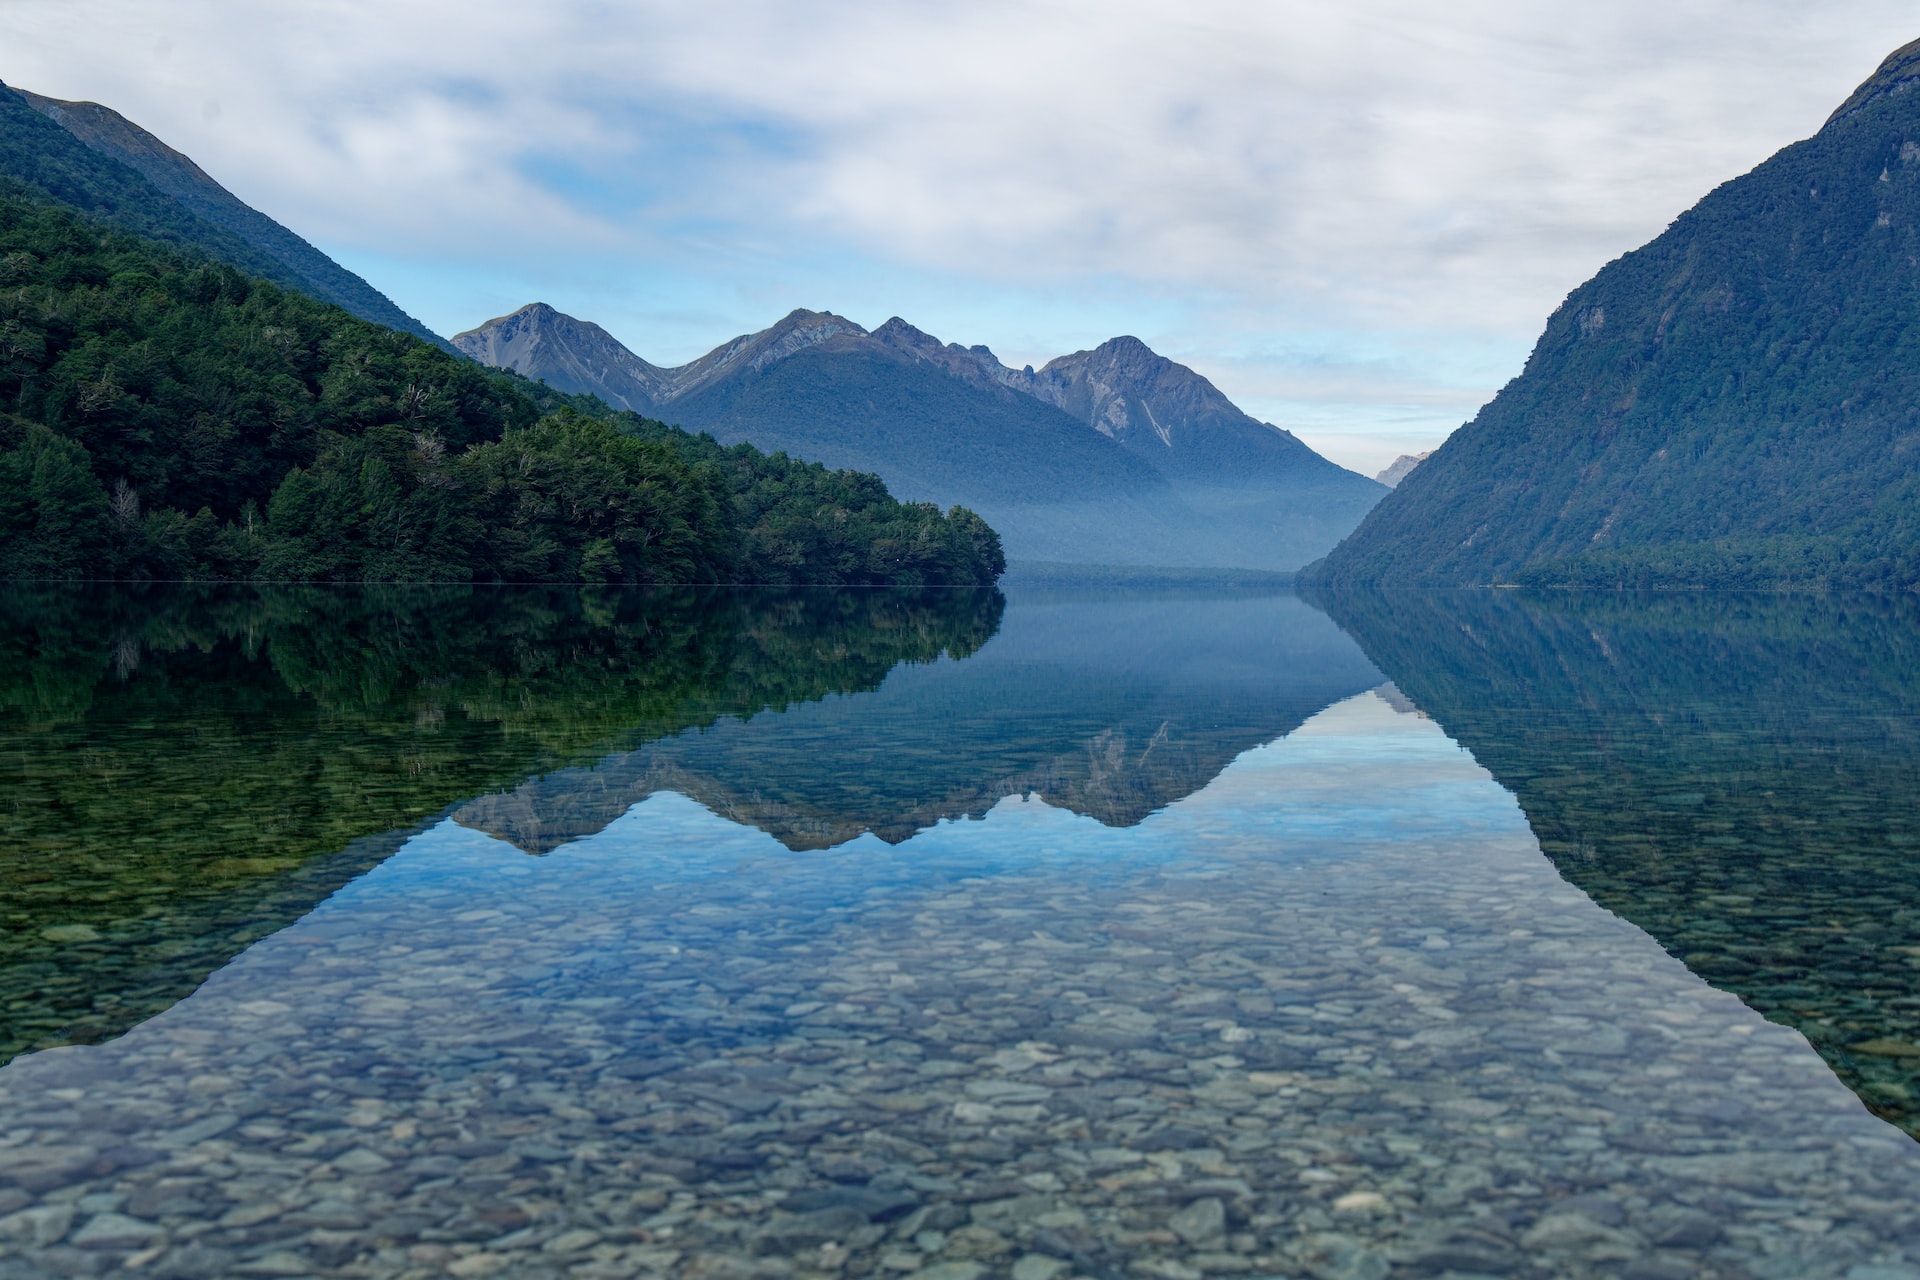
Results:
1738 775
1325 1011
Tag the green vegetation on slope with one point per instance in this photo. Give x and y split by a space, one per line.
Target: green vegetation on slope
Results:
309 270
1732 405
190 768
166 417
49 163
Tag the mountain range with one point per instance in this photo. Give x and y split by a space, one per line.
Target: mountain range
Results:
94 159
1733 405
1111 456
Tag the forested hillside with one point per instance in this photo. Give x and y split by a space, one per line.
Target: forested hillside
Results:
271 250
166 416
1736 404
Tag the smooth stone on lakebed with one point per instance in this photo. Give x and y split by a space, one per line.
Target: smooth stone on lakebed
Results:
116 1231
361 1161
1575 1230
790 1233
42 1168
1038 1266
39 1227
878 1205
279 1263
1202 1222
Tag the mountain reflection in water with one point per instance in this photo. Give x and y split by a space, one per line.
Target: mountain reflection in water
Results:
188 770
931 934
191 770
1737 775
1110 706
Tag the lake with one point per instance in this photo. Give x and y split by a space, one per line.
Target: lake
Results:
958 935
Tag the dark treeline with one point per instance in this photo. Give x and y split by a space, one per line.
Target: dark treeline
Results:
191 767
162 416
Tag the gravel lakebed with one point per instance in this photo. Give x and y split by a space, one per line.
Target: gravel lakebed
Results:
1334 1016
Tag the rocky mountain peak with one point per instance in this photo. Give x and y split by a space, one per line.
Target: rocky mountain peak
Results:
976 365
793 332
568 354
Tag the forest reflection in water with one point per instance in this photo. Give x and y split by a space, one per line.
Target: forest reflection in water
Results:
738 935
1739 775
189 769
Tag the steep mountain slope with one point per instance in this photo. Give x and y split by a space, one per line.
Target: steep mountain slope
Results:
299 264
45 162
1038 454
1175 418
1734 404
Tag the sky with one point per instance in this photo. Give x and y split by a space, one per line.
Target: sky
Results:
1353 218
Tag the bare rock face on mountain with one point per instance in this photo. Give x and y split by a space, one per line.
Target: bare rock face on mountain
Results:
1111 456
567 354
1398 469
1168 413
283 256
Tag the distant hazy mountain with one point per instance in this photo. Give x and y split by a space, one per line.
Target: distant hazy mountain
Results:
104 164
1398 469
1115 456
567 354
1732 405
1171 416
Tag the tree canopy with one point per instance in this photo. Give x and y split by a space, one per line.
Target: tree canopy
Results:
164 416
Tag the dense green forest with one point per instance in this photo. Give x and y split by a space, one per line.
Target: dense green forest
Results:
1733 405
163 416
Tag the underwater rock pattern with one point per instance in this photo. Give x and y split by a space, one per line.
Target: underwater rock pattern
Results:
1334 1016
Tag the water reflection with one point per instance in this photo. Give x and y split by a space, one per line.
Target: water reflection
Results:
1134 937
1333 1015
1107 705
186 771
1739 776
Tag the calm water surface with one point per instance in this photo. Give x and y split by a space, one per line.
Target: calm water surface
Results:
946 935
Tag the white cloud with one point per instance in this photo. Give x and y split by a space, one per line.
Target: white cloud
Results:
1426 178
